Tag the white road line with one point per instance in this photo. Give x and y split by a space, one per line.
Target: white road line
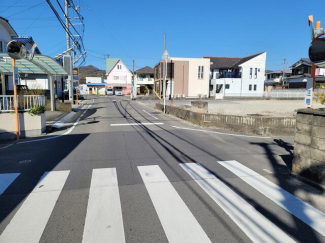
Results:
104 222
30 220
150 114
249 220
228 134
177 220
61 122
305 212
6 180
7 146
138 124
57 136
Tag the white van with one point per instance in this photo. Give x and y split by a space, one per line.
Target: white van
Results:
118 91
109 91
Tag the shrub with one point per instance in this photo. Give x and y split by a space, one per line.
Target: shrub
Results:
37 110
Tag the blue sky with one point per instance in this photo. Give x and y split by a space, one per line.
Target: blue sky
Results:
133 29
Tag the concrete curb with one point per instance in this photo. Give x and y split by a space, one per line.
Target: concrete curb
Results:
309 182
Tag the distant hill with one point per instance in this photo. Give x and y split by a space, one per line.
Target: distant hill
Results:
90 71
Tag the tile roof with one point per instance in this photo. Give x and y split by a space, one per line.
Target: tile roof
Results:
229 62
145 69
29 40
223 62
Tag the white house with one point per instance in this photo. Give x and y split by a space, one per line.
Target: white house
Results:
118 75
236 76
33 80
94 85
6 33
144 79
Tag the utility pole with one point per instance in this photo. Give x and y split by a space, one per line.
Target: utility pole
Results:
66 3
283 72
164 86
134 83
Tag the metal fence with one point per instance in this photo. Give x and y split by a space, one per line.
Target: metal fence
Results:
25 102
276 93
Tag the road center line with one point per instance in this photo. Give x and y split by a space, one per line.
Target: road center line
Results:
150 114
228 134
137 124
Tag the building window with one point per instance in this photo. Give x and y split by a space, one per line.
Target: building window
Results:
250 87
255 86
200 72
116 77
255 72
227 86
250 72
119 66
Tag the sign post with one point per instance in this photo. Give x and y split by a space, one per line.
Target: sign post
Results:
15 80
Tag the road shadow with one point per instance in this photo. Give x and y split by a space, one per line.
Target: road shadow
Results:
44 156
307 235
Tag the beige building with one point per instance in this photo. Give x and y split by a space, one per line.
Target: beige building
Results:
186 77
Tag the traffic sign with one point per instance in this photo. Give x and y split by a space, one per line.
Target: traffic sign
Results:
16 78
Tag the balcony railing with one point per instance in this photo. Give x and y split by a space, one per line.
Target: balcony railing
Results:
25 102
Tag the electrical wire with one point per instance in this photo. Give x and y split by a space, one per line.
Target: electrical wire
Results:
61 21
70 22
10 6
34 6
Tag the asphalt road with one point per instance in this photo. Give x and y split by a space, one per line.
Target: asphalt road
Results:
124 172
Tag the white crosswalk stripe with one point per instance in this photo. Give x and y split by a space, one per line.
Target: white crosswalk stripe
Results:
104 218
6 180
104 221
249 220
305 212
177 220
30 220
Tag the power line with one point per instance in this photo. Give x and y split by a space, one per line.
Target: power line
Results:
25 10
10 6
33 22
61 21
70 22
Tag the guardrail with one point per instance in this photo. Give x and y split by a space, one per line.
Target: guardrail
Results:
25 102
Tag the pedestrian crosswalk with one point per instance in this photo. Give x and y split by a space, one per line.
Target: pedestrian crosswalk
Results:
29 222
104 221
104 210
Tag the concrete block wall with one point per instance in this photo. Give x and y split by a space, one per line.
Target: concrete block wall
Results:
246 124
309 149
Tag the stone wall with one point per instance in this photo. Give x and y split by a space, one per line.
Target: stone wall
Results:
309 149
246 124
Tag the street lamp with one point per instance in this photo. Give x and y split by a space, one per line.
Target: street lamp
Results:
165 58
